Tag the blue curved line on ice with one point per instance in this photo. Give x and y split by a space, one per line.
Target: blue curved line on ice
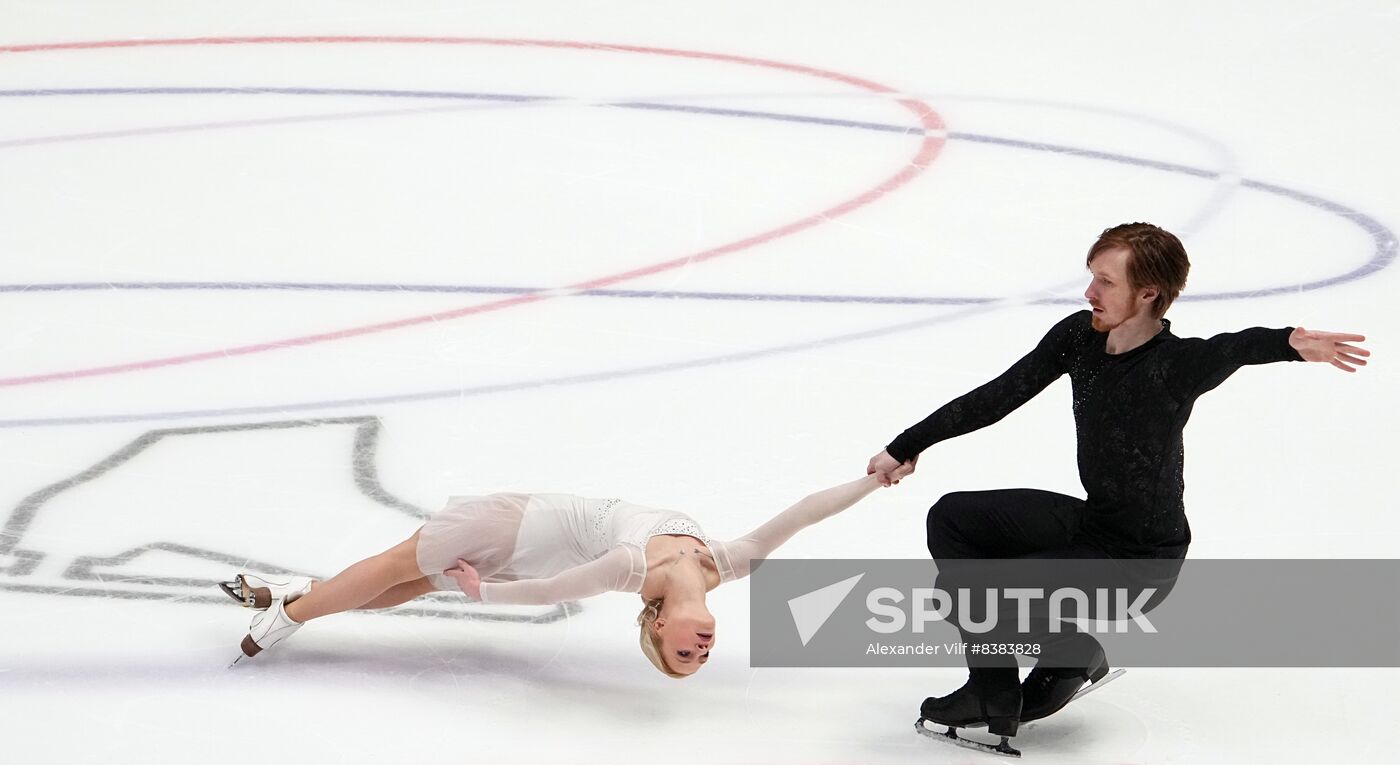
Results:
1382 256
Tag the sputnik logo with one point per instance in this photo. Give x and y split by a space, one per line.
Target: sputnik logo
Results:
811 611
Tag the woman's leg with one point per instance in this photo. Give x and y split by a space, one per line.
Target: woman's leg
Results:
359 584
400 594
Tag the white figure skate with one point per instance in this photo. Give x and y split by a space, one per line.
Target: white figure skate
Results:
257 591
269 628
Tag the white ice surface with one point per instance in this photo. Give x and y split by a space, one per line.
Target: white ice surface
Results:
728 409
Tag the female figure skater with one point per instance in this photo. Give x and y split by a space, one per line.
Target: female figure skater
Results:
549 548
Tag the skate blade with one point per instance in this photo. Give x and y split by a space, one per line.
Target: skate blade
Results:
1081 693
1091 687
950 736
256 598
234 589
248 649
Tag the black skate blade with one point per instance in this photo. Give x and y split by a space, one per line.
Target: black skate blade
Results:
950 736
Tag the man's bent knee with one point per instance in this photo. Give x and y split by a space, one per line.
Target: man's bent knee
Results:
945 523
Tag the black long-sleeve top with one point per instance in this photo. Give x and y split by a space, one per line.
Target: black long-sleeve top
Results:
1129 412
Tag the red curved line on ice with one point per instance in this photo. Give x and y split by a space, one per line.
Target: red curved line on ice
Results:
929 121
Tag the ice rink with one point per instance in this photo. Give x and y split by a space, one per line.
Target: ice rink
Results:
280 278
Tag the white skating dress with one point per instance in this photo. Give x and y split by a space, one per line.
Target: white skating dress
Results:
549 548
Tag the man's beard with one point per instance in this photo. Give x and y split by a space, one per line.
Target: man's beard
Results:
1100 325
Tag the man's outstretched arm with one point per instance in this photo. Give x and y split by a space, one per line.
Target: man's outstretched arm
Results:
1196 366
982 406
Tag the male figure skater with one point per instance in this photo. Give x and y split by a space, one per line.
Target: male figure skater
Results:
1134 384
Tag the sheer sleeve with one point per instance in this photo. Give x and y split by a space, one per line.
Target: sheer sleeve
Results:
613 571
735 557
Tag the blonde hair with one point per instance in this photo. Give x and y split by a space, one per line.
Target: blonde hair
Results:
650 641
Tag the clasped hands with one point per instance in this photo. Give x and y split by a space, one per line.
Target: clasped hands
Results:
889 470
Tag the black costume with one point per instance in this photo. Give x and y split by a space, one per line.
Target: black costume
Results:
1129 412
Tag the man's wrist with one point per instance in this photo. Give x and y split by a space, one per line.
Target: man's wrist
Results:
898 451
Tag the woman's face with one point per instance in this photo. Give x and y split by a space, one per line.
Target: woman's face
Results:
686 641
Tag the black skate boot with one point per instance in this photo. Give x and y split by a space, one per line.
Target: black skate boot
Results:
991 697
1047 691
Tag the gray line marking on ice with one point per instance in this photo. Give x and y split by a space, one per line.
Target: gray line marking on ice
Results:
88 568
82 568
560 611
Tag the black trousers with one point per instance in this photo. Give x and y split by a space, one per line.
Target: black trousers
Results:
1031 538
1007 523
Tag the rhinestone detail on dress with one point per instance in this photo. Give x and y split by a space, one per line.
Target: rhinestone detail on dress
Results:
600 520
680 526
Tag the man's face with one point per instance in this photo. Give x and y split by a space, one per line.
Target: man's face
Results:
1113 300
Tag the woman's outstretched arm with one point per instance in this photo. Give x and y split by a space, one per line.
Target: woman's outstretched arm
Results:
762 541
